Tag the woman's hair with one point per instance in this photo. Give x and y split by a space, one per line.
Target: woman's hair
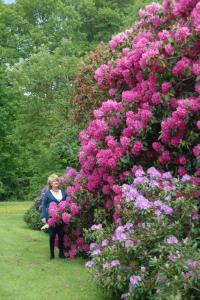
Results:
52 178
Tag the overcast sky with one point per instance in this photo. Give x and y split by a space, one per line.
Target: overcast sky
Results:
9 1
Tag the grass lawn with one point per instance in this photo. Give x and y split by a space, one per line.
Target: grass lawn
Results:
26 273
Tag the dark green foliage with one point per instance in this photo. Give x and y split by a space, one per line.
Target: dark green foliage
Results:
41 44
32 218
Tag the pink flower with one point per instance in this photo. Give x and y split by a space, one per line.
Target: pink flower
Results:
164 157
156 146
165 87
89 263
196 68
182 159
137 147
112 91
129 96
70 172
100 72
171 240
96 227
119 38
53 209
142 203
85 247
134 279
72 253
182 171
181 65
196 150
124 141
106 189
163 35
195 17
197 87
108 204
62 205
116 189
155 98
169 49
186 178
77 231
51 222
74 209
153 172
182 33
66 217
80 241
198 124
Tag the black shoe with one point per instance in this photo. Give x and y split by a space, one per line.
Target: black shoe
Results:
52 257
61 255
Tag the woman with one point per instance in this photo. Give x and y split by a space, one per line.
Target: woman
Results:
54 194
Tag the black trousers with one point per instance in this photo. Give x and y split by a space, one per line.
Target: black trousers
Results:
57 229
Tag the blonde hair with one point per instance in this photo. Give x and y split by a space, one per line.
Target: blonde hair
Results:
51 178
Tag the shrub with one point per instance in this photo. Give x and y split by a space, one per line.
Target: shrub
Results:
33 215
151 116
32 218
153 252
87 93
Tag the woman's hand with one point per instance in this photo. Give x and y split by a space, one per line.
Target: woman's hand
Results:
44 220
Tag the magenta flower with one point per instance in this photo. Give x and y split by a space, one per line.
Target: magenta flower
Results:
137 147
66 218
156 146
181 65
165 87
196 150
85 247
62 205
80 241
169 49
51 222
74 209
182 171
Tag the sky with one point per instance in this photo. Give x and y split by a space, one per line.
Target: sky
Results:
8 1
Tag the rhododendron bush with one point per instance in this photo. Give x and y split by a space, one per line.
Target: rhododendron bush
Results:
88 95
151 117
152 253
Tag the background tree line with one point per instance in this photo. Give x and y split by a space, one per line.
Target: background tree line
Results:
42 43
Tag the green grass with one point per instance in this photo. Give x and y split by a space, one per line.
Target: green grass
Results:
26 273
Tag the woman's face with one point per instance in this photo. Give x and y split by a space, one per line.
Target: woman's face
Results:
55 183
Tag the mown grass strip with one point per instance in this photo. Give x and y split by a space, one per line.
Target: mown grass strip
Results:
26 271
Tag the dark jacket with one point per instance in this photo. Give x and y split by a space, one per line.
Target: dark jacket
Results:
47 199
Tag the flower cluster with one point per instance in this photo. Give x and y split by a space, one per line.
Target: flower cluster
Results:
68 213
150 113
148 85
152 252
